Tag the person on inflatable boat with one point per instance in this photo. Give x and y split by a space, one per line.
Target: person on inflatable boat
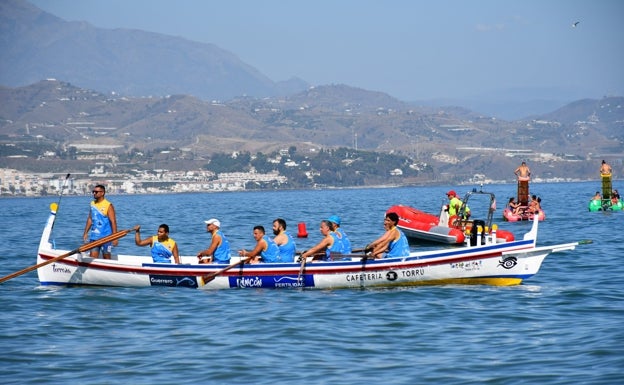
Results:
513 206
454 203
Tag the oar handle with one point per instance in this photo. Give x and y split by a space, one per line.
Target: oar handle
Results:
80 249
210 277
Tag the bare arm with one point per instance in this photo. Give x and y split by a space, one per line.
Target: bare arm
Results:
85 235
381 246
216 241
112 217
254 254
281 239
381 239
324 244
141 242
176 254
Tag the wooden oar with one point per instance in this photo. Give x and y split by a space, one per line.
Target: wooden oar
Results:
82 248
211 276
301 269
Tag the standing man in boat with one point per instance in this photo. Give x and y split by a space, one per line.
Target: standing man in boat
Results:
101 222
265 250
523 172
454 203
346 243
392 243
163 247
329 245
605 168
219 249
284 241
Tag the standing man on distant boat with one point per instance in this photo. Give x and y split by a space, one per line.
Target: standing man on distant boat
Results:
523 172
605 169
284 241
454 203
219 249
101 222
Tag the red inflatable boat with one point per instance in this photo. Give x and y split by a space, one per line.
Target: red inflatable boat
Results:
422 226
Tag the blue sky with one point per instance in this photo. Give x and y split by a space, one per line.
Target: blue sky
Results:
410 49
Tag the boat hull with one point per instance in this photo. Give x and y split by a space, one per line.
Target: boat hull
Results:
479 265
492 263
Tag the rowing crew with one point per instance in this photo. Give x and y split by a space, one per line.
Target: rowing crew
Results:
281 248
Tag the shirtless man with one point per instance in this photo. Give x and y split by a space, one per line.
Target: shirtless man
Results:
605 169
523 171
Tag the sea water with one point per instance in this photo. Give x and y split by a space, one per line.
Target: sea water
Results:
563 326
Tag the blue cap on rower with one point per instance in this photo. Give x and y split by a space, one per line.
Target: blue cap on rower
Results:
335 219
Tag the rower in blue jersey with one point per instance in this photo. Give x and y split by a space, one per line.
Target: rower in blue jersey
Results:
265 250
101 222
346 243
163 247
284 241
219 249
392 243
329 246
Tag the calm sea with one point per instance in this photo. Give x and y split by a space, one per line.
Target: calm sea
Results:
563 326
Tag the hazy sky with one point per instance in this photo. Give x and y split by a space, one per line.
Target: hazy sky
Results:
410 49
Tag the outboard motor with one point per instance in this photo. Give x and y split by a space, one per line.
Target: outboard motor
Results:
473 232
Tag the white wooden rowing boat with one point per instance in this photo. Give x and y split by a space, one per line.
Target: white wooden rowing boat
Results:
492 263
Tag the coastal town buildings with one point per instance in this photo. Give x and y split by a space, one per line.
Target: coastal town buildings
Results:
17 183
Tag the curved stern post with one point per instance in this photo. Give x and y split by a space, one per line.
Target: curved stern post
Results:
47 230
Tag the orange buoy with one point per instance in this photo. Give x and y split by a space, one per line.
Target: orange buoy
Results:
302 232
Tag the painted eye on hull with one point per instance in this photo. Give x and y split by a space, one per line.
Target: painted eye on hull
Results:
508 262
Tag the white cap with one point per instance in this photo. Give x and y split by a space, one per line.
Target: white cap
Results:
213 221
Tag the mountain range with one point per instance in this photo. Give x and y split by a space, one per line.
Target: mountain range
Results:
36 45
458 143
140 91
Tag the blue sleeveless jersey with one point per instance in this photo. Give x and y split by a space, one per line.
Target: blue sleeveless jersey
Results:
222 253
336 247
287 251
100 224
346 243
271 254
398 248
162 252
